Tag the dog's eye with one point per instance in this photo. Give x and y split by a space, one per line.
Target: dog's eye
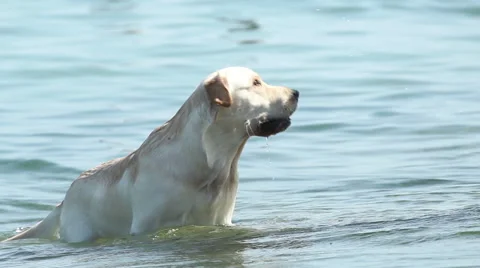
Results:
256 82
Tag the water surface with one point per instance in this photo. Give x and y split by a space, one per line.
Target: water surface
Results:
379 167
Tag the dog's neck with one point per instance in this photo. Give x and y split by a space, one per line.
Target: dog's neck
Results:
221 142
219 139
213 144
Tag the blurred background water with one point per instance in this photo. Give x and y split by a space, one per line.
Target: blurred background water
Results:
380 167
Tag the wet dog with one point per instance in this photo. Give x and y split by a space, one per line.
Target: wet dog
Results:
184 173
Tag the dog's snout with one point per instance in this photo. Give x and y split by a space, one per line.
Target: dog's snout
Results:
295 94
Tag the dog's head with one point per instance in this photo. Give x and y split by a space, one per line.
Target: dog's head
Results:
244 99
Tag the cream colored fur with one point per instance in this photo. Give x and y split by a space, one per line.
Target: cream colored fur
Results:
185 172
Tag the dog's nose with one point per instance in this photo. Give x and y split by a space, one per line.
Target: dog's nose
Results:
296 94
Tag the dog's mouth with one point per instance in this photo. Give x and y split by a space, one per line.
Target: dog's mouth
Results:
264 127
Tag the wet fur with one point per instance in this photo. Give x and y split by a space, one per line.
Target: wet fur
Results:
184 173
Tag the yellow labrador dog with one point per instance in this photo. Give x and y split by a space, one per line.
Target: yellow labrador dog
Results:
184 173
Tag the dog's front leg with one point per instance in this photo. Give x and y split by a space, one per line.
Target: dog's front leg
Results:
142 226
159 202
146 219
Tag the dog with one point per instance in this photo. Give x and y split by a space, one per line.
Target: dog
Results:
184 173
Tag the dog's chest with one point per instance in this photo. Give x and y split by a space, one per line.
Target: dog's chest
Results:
203 197
209 210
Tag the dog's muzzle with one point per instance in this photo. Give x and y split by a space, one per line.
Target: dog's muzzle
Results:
265 127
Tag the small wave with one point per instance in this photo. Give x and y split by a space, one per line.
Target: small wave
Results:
415 182
341 10
319 127
451 129
28 205
469 233
467 10
34 165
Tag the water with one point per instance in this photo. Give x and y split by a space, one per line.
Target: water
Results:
379 167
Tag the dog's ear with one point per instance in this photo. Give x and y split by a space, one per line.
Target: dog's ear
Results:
217 90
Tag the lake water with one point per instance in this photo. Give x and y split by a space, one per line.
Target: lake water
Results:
380 167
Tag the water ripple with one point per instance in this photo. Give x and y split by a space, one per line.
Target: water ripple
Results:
32 165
